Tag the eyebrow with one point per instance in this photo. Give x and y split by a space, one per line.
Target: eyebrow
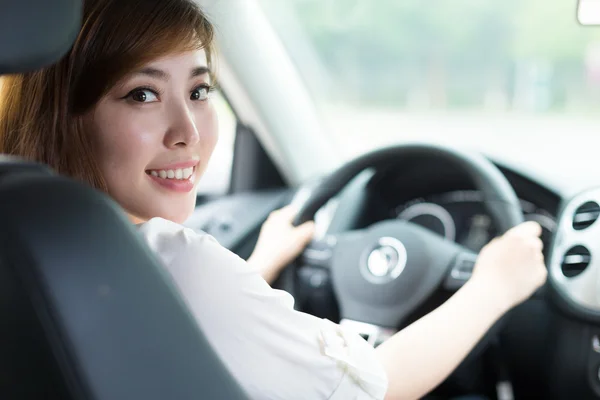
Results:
164 76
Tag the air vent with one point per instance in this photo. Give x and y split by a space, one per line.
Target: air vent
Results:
575 261
586 215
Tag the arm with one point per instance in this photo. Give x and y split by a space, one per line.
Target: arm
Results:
268 272
420 357
262 261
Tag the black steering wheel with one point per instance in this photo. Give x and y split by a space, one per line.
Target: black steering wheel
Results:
382 274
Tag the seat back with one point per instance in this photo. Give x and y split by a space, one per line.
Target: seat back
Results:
88 312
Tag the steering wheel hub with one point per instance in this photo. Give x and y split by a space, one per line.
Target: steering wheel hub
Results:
385 261
382 273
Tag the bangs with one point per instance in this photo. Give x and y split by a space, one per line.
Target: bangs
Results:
121 36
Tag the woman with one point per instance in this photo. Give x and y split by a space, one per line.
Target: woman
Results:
128 111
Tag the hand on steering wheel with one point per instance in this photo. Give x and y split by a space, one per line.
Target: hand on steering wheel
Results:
512 266
280 242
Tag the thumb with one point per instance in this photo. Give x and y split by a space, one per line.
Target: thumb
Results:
526 229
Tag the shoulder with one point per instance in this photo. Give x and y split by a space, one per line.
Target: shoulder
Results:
160 229
170 240
185 252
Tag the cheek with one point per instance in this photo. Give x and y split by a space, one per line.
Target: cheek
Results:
124 144
209 131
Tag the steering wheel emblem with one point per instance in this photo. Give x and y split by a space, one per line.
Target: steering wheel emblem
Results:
385 261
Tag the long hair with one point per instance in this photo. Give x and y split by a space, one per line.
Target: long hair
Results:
41 112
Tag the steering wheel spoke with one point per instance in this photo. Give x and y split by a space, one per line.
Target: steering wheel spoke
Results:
460 270
319 253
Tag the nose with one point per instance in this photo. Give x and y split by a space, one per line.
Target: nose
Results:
183 130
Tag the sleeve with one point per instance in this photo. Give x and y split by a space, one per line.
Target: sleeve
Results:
274 351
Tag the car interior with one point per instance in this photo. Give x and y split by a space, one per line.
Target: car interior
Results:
90 315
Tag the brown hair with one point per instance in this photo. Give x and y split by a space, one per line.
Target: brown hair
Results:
41 112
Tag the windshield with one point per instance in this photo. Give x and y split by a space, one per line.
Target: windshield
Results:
482 73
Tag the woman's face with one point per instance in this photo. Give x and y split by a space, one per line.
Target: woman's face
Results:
154 134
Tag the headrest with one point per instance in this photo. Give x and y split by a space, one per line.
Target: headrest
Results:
36 33
14 165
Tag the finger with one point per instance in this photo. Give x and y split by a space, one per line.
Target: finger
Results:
542 277
533 242
526 229
306 231
541 258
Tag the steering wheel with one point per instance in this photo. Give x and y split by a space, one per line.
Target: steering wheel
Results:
382 274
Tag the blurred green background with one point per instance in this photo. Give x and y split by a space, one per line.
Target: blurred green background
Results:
519 55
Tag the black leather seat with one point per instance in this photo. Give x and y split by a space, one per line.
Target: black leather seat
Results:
86 310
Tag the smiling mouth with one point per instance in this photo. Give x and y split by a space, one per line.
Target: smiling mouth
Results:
174 174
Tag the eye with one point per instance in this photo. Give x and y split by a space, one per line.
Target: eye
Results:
201 93
141 95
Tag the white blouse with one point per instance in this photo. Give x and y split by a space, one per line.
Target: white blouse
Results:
274 351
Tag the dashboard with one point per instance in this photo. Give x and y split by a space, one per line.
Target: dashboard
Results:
461 216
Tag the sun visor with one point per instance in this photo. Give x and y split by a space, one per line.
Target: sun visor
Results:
36 33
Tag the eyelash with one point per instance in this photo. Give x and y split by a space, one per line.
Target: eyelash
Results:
209 89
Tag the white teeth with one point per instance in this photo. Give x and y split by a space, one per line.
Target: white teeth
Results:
180 173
